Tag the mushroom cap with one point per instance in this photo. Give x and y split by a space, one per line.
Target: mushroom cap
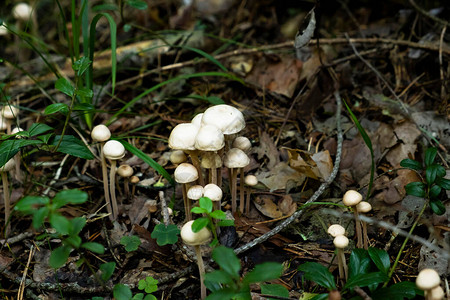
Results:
236 158
22 11
242 143
197 120
134 179
178 157
195 192
211 160
16 130
185 173
427 279
251 180
113 150
213 192
183 136
100 133
336 230
363 207
3 30
340 241
209 138
436 293
227 118
351 198
194 238
10 165
9 112
3 125
125 171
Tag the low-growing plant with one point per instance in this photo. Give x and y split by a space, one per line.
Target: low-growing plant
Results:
148 284
131 243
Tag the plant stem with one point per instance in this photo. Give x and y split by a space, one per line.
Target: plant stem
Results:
6 200
66 121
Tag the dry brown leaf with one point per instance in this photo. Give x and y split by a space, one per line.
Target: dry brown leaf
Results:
302 162
267 207
324 163
267 148
279 176
287 205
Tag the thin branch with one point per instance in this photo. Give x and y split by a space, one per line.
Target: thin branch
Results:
428 15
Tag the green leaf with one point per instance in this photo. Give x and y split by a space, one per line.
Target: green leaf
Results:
443 183
72 146
38 128
29 204
39 216
86 107
73 241
150 297
264 272
149 284
411 164
85 92
226 223
274 290
165 234
198 210
94 247
380 259
199 224
122 292
60 223
206 203
434 192
359 262
224 294
64 86
59 256
227 260
56 107
430 155
318 274
45 138
131 243
363 280
431 173
73 196
107 270
437 207
81 65
398 291
138 4
77 225
218 276
218 214
416 189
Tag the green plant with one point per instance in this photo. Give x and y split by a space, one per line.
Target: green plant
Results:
149 285
45 209
226 283
367 269
131 243
434 182
165 235
210 217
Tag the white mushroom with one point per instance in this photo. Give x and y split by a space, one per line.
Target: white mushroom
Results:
352 198
212 162
186 173
340 242
427 280
364 207
227 118
243 143
9 113
235 159
9 166
250 181
125 171
113 150
177 157
213 192
335 230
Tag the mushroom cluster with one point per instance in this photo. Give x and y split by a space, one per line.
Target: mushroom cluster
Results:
210 142
429 281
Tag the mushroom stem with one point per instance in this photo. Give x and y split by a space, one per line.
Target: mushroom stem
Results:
196 162
201 270
7 202
233 187
112 189
365 236
242 190
186 202
359 243
126 188
343 270
247 200
213 173
105 183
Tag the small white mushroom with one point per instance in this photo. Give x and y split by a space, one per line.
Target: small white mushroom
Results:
364 207
243 143
335 230
427 280
9 113
352 198
177 157
250 181
125 171
235 159
213 192
113 150
186 173
9 166
340 242
194 193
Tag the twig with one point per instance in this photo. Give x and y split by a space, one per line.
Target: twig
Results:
426 14
24 276
57 175
164 210
362 293
315 196
441 66
17 238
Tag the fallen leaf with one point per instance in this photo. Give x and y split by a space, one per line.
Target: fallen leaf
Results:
287 205
278 177
267 207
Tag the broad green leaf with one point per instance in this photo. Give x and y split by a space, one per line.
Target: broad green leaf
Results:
131 243
81 65
430 155
73 196
274 290
411 164
83 107
226 223
85 92
39 216
148 284
434 192
8 149
264 272
198 210
64 86
45 138
150 297
206 203
56 107
60 223
77 225
199 224
437 207
138 4
363 280
416 189
431 173
227 261
218 276
398 291
380 259
443 183
94 247
38 128
72 146
218 214
73 241
29 204
318 274
107 270
59 257
224 294
165 234
122 292
359 262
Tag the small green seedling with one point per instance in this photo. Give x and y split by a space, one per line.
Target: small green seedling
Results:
165 235
434 182
131 243
149 285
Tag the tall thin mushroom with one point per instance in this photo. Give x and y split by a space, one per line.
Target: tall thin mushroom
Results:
364 207
10 164
113 150
352 198
186 173
235 159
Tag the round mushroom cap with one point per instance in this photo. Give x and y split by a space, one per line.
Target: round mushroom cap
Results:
242 143
183 136
236 158
3 30
435 294
227 118
125 171
22 11
209 138
9 112
197 120
363 207
427 279
16 130
213 192
251 180
113 150
340 241
185 173
134 179
211 160
194 238
177 157
100 133
336 230
351 198
10 165
195 192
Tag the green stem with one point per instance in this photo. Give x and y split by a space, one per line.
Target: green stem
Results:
397 259
66 121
